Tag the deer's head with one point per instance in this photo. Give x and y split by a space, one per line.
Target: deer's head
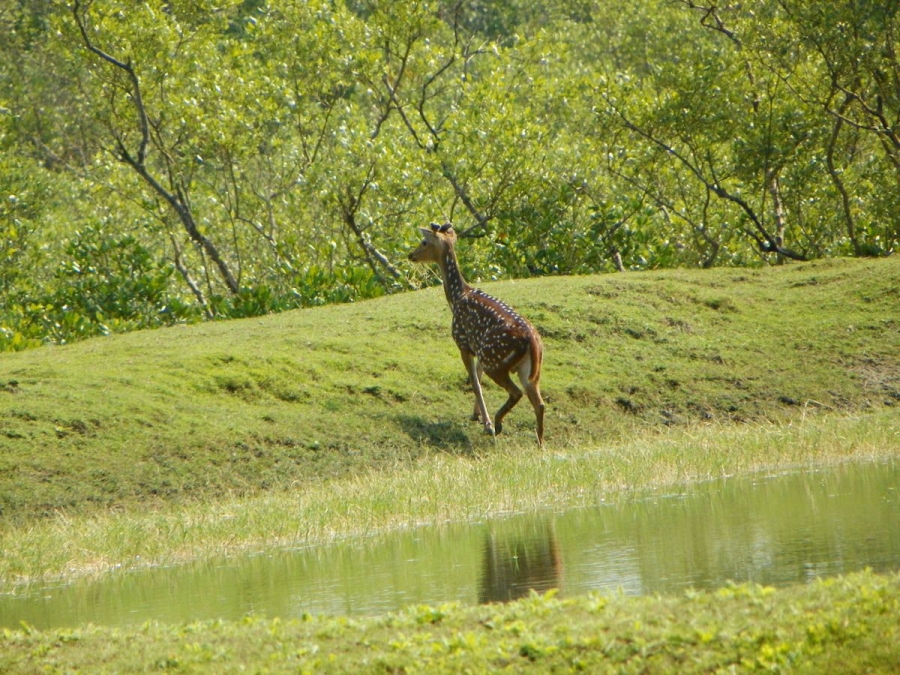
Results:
437 240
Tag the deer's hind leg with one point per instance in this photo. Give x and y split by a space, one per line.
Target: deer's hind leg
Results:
476 412
504 380
532 390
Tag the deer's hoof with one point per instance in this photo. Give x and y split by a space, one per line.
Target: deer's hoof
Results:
489 430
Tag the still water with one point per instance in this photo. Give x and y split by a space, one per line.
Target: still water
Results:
769 529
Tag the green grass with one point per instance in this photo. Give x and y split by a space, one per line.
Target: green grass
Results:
158 447
243 407
844 625
436 489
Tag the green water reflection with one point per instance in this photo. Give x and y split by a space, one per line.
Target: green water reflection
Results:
772 530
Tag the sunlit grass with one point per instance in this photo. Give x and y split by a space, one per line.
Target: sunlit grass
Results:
163 447
846 625
277 403
498 478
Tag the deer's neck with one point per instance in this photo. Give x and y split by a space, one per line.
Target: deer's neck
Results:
454 284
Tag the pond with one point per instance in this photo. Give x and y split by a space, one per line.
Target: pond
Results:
773 530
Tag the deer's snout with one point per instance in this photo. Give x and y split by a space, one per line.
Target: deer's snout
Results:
417 254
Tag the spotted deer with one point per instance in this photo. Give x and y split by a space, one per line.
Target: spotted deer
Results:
492 338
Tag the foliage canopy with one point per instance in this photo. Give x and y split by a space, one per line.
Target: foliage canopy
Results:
168 161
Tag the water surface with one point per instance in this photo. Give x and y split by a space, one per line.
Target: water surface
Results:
774 530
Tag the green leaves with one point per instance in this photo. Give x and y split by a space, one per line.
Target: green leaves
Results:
282 155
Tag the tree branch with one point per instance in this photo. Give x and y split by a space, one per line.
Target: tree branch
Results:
349 207
177 200
766 241
481 220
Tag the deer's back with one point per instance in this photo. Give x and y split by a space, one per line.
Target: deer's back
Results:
491 330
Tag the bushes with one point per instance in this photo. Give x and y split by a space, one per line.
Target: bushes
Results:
104 284
108 283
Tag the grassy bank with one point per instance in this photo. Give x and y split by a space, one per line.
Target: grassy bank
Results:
172 444
261 405
435 489
844 625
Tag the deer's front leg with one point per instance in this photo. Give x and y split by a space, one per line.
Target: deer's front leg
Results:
476 413
473 369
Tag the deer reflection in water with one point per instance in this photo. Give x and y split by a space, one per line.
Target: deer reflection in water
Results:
514 565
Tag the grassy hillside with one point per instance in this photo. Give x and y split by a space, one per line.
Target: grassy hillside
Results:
235 408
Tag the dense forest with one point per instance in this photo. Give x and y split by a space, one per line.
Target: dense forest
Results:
170 161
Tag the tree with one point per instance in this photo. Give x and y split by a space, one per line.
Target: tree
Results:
855 80
718 121
135 133
259 156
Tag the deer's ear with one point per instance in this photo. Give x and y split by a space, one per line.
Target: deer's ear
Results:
426 232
